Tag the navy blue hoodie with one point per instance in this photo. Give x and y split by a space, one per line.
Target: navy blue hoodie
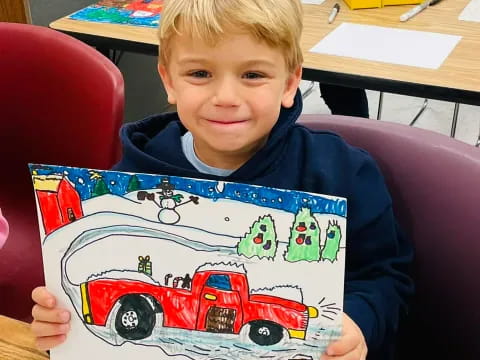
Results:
296 158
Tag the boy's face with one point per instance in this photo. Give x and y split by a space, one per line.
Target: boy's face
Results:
228 96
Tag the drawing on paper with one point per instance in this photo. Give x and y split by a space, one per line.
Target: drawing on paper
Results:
122 12
195 268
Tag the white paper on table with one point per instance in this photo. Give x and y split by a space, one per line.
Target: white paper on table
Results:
316 2
396 46
471 11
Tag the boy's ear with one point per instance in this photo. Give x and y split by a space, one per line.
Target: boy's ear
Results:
291 87
167 83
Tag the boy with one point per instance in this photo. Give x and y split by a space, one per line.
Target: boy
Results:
233 69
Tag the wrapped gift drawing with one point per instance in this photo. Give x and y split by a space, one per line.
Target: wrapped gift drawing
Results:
145 265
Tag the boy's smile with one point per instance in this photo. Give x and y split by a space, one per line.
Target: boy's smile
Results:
228 95
226 122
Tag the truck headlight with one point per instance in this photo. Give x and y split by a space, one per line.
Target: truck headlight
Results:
312 312
87 316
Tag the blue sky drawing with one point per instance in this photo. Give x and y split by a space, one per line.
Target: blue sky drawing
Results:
117 183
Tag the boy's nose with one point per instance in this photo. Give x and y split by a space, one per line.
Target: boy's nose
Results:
226 93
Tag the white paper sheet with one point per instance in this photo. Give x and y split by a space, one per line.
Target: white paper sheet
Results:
471 11
200 251
396 46
316 2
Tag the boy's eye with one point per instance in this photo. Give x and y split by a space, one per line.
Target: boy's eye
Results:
199 74
253 75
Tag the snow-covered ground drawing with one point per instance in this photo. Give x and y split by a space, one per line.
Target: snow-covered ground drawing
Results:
163 267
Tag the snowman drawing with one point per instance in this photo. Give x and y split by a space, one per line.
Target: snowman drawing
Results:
169 202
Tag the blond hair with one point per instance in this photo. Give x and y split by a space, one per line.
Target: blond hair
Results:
276 22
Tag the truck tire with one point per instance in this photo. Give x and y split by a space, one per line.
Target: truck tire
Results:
135 319
265 333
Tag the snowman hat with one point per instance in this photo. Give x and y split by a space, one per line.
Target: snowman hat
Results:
165 185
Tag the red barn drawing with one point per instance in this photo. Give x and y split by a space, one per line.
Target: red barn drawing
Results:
59 202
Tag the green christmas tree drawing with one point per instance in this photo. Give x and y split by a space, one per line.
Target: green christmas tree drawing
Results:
261 240
304 243
133 184
100 187
332 241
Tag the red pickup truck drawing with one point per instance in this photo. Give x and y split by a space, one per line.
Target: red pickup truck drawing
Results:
218 302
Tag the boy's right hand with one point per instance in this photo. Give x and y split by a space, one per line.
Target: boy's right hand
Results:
50 324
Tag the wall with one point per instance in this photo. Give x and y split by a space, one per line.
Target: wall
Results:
144 93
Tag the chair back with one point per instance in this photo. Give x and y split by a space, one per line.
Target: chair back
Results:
61 103
434 181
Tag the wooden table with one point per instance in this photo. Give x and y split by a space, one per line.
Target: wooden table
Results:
457 80
17 342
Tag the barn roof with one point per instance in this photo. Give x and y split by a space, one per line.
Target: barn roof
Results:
47 182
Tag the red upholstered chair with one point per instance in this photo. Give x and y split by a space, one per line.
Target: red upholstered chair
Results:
61 102
435 185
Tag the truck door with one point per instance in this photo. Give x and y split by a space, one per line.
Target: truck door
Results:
220 308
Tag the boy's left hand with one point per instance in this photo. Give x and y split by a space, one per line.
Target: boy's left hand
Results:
351 346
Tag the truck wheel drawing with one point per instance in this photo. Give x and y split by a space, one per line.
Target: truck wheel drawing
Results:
135 319
265 332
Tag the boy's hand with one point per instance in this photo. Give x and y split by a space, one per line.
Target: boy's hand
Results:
50 324
351 346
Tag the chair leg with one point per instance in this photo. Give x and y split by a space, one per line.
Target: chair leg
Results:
380 106
111 54
105 51
420 112
309 90
454 120
118 57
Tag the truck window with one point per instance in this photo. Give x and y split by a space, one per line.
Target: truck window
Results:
221 282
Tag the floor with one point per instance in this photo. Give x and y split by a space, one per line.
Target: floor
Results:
402 109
